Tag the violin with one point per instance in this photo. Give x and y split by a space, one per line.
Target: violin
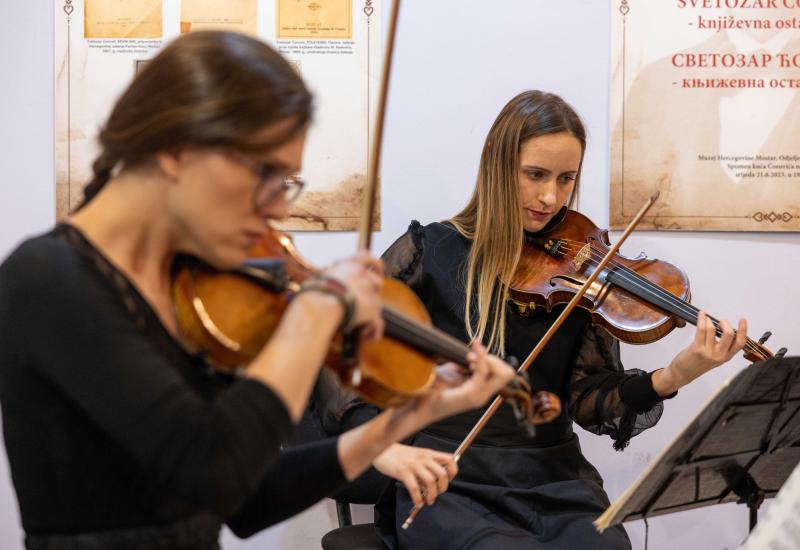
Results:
637 300
231 315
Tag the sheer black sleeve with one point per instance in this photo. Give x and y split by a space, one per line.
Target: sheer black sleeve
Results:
403 259
605 398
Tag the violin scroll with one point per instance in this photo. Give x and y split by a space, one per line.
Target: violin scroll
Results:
530 409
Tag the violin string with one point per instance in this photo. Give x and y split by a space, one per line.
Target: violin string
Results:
428 337
419 334
642 282
646 285
453 350
636 280
687 309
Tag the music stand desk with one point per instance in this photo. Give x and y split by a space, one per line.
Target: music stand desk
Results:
740 447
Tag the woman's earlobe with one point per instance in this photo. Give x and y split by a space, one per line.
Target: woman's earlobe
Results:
169 163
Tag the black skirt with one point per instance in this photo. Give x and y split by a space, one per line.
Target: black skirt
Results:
521 497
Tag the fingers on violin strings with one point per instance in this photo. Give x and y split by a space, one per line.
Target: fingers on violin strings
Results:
706 332
726 339
477 351
479 365
741 334
476 357
699 334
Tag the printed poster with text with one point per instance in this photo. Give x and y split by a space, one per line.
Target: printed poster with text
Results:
334 44
705 108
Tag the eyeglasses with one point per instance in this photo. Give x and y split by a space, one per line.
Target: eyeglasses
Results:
271 183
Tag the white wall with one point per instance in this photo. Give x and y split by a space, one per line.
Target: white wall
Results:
457 63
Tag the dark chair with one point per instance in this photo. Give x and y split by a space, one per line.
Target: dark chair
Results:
364 490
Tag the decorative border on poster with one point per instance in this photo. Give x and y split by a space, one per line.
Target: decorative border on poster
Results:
368 11
760 217
623 9
68 9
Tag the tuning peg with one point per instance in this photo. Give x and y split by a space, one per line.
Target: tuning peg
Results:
764 337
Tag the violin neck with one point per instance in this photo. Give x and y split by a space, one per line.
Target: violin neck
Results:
629 280
650 292
428 340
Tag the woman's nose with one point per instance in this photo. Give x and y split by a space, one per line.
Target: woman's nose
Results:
276 209
546 193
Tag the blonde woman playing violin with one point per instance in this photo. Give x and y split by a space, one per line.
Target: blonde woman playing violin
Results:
514 492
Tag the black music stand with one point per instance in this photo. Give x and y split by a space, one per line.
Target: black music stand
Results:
740 448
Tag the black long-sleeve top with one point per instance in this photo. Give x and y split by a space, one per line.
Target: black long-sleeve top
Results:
110 425
580 364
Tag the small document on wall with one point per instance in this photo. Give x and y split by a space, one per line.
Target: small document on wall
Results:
115 19
705 108
232 15
314 19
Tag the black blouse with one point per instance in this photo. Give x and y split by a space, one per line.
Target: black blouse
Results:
110 425
581 363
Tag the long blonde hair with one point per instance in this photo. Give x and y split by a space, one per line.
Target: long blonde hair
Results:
492 219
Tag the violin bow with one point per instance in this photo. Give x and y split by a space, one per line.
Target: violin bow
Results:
374 162
473 433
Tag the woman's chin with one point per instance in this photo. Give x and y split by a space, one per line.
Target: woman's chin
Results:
533 227
224 260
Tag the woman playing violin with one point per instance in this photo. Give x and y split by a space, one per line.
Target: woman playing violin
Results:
513 491
118 436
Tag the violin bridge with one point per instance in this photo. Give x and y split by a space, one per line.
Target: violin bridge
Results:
582 257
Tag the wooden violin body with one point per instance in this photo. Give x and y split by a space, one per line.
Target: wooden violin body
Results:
637 300
544 279
231 316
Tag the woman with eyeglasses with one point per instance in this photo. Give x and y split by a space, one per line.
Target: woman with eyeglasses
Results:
118 435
